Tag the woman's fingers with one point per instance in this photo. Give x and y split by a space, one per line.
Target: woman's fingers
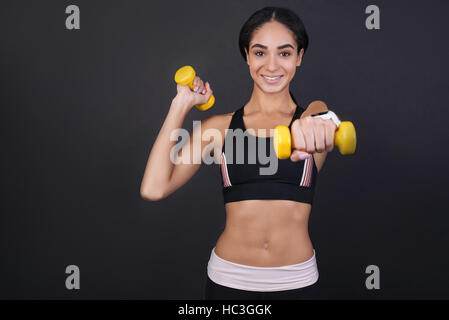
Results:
299 141
308 132
208 90
299 155
319 131
311 135
198 86
330 134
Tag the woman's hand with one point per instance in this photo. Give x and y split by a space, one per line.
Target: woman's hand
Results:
200 95
310 135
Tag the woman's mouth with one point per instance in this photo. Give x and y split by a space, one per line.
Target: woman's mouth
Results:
271 79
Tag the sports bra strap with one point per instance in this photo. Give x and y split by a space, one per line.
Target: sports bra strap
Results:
237 120
297 115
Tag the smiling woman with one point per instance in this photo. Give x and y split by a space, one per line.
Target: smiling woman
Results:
265 250
275 65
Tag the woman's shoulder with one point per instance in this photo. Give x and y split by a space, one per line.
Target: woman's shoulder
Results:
218 121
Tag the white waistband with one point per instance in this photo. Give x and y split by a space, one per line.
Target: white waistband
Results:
250 278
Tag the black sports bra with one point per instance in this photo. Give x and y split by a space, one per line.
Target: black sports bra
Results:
245 177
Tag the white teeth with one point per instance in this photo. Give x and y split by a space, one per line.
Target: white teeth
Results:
270 78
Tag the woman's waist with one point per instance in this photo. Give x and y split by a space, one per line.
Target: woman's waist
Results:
262 233
251 247
262 278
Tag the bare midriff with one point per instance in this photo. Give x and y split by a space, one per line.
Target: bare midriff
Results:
266 233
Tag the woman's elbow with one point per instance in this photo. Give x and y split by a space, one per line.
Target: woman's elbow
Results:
153 194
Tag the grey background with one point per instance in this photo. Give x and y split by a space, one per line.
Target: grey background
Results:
80 110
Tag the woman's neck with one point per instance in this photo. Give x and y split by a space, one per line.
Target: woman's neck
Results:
268 103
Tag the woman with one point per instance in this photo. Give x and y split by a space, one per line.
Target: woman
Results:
265 251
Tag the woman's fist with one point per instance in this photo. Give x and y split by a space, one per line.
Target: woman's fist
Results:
200 94
310 135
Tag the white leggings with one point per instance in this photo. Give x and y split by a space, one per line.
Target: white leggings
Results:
244 277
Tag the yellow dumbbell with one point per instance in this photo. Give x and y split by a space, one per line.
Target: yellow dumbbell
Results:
184 77
345 139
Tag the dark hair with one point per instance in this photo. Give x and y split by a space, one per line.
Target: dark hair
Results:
282 15
268 14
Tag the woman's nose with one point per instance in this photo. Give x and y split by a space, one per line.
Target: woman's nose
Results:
272 63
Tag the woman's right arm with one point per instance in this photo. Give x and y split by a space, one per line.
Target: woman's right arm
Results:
162 176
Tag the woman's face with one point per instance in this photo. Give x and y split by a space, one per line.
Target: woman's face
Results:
266 59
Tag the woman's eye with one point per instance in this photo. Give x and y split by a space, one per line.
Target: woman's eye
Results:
284 54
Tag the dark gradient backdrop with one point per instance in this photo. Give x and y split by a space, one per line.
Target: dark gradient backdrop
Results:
80 110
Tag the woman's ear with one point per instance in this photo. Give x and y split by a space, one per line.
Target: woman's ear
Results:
299 60
247 57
